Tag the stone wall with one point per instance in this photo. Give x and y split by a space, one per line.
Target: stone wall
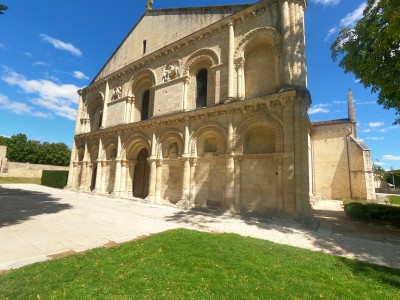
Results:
3 159
28 170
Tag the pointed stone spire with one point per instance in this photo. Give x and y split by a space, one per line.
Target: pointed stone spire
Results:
351 112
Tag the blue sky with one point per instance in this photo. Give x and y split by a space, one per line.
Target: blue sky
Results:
49 49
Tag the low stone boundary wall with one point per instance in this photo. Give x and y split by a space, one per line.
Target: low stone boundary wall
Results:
28 170
388 191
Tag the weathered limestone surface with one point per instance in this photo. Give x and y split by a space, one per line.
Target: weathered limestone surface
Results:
208 107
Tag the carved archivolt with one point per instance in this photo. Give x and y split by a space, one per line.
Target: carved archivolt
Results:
262 118
145 73
167 143
264 32
202 54
209 130
132 147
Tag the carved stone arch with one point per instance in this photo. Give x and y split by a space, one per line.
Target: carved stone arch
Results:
202 54
135 143
166 139
260 33
136 78
210 129
258 118
93 110
93 148
80 151
110 148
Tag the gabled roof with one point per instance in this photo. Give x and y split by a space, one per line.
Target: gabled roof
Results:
161 27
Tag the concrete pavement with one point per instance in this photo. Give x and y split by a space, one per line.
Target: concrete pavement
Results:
38 223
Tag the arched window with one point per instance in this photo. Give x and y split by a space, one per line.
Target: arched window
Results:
145 105
201 92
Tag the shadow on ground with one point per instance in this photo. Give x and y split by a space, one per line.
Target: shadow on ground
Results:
203 217
17 206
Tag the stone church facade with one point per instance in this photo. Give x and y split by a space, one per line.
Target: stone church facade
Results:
207 106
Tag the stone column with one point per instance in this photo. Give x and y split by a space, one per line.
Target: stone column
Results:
293 62
185 94
73 179
237 181
118 169
103 183
240 78
217 85
230 182
105 106
71 174
99 168
130 177
159 166
152 182
123 191
128 118
279 163
184 202
192 194
302 50
231 67
286 42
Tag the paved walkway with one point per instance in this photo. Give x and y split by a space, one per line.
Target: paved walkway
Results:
39 223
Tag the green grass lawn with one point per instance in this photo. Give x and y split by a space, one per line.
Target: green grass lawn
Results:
394 199
183 264
19 180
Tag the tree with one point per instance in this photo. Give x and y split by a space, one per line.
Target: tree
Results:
20 149
2 8
371 50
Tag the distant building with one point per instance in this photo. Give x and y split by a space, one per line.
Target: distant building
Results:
207 106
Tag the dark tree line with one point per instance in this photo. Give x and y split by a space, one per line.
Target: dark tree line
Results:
20 149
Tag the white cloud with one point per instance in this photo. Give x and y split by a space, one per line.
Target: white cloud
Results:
326 2
352 18
391 157
375 124
339 102
375 138
58 44
379 164
367 130
60 99
19 108
80 75
319 108
26 53
331 32
41 63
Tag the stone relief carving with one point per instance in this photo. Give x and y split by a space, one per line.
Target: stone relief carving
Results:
170 72
116 93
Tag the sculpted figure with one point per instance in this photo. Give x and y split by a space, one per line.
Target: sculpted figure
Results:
149 4
170 72
116 93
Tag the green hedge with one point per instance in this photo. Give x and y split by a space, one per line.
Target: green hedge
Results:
373 212
54 178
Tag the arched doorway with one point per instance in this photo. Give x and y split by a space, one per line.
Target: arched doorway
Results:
141 178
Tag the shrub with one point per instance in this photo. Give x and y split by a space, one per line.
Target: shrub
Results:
373 212
54 178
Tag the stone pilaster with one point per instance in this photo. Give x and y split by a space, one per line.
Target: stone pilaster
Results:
231 67
237 181
151 198
105 106
286 42
159 166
